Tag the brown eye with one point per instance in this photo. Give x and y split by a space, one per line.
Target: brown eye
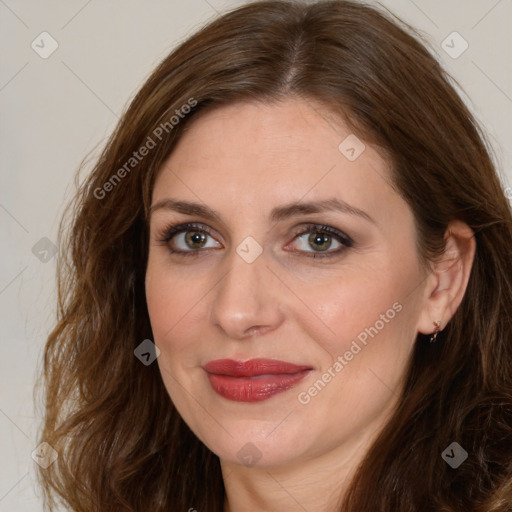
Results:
320 240
191 241
188 239
315 241
195 239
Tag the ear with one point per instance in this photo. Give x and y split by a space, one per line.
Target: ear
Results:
448 280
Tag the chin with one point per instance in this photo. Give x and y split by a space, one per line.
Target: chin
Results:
256 444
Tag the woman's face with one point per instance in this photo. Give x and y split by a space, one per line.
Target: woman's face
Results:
300 252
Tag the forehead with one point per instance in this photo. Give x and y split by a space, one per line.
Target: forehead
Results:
258 154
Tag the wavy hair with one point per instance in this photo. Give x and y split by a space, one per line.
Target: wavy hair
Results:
122 445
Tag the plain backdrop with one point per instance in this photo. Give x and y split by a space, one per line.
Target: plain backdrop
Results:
57 108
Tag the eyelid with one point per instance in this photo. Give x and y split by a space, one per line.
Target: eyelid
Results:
166 234
322 228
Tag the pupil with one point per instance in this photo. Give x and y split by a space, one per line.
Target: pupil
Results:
195 237
319 240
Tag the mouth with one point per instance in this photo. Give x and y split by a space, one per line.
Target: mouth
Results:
254 380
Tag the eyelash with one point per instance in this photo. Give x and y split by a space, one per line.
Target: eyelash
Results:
170 232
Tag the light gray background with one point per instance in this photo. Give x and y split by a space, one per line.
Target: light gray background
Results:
55 111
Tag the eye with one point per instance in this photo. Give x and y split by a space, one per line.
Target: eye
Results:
187 239
321 239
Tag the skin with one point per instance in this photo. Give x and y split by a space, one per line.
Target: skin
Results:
243 160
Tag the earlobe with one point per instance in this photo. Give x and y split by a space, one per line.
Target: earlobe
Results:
448 280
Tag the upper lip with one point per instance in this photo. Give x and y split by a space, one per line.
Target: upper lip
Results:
252 367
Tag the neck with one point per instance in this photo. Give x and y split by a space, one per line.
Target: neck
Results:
313 483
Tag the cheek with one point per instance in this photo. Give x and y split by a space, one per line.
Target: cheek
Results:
355 298
166 301
367 318
356 308
176 304
364 350
178 307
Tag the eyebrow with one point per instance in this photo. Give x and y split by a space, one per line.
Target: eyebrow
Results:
279 213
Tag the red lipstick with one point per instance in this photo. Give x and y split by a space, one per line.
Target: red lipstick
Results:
253 380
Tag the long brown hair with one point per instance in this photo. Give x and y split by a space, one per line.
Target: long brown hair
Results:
121 443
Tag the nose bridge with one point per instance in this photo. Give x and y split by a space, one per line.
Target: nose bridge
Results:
241 282
242 299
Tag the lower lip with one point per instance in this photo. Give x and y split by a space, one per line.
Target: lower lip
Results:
253 389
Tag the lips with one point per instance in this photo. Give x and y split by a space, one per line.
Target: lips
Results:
253 380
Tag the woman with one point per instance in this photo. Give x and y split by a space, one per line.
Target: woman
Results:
290 283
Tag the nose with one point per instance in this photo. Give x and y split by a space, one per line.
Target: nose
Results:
246 301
